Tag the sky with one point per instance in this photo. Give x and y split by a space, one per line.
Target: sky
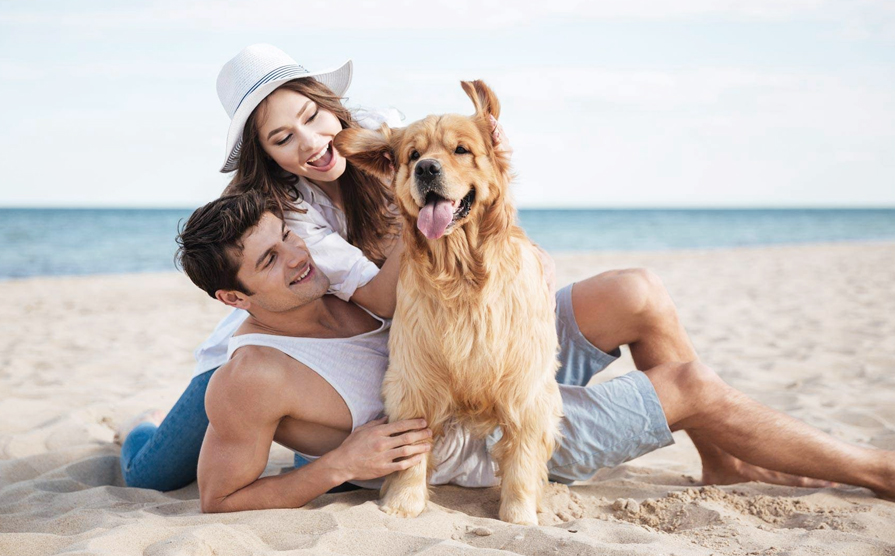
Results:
640 103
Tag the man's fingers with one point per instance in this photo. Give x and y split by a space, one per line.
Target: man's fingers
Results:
411 437
400 427
409 450
407 463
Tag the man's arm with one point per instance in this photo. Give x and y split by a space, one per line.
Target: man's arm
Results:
244 412
229 467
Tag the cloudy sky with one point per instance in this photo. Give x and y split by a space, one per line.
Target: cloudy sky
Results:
640 103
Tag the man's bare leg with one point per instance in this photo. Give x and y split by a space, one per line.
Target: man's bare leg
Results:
695 399
632 307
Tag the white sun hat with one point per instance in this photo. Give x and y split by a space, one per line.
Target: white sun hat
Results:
254 73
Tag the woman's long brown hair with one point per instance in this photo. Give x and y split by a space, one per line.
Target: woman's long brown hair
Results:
365 198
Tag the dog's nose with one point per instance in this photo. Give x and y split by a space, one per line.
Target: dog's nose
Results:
427 169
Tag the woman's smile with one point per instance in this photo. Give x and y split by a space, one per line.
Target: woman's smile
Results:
323 160
299 135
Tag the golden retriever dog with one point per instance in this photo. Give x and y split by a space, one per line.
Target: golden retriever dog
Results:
473 336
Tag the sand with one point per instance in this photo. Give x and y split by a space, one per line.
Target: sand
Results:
809 330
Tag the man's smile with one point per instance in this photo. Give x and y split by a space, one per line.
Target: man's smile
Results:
302 275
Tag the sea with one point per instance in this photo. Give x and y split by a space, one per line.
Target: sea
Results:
51 242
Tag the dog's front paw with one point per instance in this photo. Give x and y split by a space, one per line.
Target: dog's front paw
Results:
520 512
404 502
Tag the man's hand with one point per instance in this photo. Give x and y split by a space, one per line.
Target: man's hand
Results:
377 449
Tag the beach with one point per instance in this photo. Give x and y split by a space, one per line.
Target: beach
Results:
806 329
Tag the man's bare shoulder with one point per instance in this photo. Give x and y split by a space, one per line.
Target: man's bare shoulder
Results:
254 384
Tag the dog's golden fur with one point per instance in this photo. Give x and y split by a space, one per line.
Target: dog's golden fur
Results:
473 338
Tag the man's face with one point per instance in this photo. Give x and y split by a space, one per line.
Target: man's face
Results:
277 268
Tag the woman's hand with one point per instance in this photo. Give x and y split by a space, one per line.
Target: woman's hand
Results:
378 449
549 274
501 143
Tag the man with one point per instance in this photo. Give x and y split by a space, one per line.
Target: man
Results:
305 369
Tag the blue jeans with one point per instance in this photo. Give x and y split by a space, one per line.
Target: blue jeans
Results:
165 457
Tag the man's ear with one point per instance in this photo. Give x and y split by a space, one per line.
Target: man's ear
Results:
484 99
370 150
233 298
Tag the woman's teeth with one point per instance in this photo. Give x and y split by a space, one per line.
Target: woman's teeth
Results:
317 156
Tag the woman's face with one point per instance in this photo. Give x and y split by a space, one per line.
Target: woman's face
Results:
298 135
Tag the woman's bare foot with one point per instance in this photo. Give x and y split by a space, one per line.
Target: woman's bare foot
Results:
738 471
154 416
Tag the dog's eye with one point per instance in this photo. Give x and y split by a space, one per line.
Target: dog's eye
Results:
414 155
460 150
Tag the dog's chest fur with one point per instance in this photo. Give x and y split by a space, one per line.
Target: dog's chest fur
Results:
478 339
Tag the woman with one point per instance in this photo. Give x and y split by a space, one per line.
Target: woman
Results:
283 121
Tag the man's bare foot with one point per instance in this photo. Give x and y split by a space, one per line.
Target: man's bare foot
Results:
154 416
738 471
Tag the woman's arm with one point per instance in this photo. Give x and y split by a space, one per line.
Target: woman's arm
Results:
380 295
344 264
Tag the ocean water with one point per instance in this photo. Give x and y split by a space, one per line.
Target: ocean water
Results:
36 242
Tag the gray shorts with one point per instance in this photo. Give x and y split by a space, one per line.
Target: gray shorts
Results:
604 424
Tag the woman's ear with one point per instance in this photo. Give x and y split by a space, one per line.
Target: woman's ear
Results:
369 150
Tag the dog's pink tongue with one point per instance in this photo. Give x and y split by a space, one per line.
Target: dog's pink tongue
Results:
435 217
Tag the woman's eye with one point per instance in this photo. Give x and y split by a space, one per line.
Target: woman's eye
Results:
284 140
460 150
414 155
311 119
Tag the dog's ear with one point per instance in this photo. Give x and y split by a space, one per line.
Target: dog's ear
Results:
369 150
486 104
483 98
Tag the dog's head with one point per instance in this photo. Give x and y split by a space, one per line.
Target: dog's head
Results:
444 168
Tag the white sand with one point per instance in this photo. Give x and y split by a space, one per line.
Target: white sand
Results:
807 329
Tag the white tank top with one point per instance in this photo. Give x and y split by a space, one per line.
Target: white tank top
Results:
353 366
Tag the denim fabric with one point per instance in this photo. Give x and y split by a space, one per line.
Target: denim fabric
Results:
165 457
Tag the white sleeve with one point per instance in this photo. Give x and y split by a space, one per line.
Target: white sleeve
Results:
344 264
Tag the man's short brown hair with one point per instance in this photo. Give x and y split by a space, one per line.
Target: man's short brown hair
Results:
210 244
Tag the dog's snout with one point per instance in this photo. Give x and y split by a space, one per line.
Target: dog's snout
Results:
427 169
